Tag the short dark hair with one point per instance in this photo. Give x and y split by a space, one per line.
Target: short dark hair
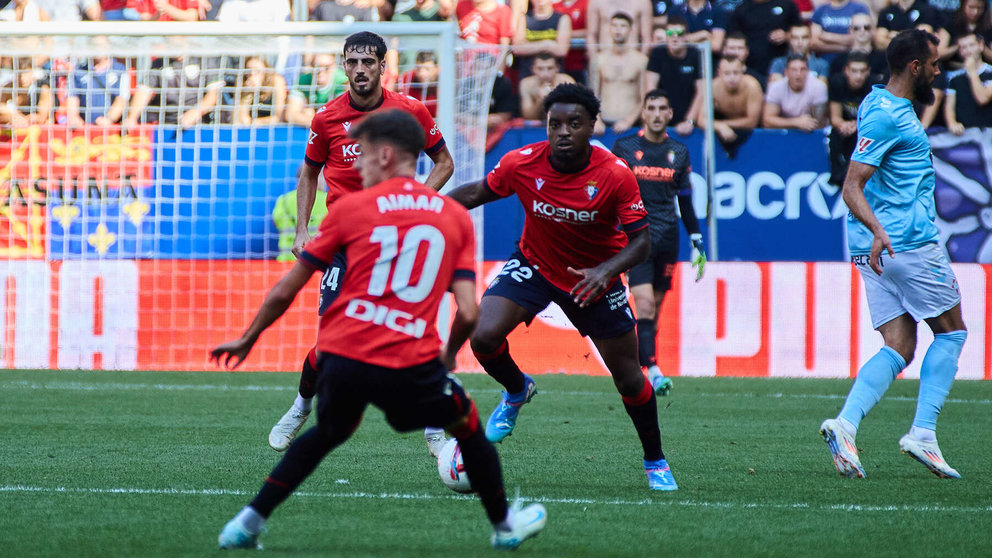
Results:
624 16
856 57
729 58
909 45
968 34
657 93
426 56
366 41
677 20
395 127
737 36
796 56
545 55
573 93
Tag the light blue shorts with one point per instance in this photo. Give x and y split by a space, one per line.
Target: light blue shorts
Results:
918 282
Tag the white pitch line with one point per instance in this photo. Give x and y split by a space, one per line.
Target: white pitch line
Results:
119 386
800 506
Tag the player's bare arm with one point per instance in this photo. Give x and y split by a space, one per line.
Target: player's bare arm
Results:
854 196
595 280
306 193
473 194
275 304
444 167
463 324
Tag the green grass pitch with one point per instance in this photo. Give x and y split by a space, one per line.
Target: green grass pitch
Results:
152 464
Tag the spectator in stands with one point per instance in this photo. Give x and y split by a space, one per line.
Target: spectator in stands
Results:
534 88
26 95
735 46
969 91
765 24
598 23
323 81
236 11
540 30
845 93
71 10
180 90
172 10
799 41
831 27
27 11
972 17
862 32
120 10
502 104
900 15
737 101
485 21
345 11
98 91
425 10
675 68
618 78
704 22
421 82
262 98
797 102
575 61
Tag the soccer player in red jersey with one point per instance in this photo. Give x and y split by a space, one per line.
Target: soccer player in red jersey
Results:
585 224
378 342
330 149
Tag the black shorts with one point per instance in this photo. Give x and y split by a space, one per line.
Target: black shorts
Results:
330 282
411 398
610 316
656 270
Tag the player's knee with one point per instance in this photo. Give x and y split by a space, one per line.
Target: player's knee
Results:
486 340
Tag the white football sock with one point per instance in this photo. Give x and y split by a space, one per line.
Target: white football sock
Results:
250 519
923 434
303 404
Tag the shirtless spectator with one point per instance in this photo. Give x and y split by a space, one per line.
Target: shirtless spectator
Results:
618 79
737 100
598 23
735 46
534 88
797 102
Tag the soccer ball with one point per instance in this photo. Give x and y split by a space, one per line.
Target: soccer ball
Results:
451 468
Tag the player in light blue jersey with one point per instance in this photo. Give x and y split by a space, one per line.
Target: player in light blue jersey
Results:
893 242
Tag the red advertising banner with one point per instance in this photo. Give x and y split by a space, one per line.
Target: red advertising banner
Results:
55 164
742 319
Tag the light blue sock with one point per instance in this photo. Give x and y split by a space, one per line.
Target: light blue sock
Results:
873 379
936 375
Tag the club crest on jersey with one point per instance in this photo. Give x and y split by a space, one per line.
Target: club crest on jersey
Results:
863 144
638 154
539 182
671 157
347 126
591 190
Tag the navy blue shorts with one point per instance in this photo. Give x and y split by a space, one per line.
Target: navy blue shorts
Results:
608 317
330 282
411 398
657 270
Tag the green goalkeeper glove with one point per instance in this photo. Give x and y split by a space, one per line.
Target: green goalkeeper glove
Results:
698 255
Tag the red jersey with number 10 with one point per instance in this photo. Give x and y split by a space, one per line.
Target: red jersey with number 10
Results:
330 146
404 244
576 220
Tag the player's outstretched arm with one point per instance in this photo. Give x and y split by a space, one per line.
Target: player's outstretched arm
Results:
854 196
276 302
306 193
595 280
466 317
473 194
444 167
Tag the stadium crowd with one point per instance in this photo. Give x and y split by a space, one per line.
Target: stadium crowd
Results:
792 64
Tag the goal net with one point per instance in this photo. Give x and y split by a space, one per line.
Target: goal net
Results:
147 173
